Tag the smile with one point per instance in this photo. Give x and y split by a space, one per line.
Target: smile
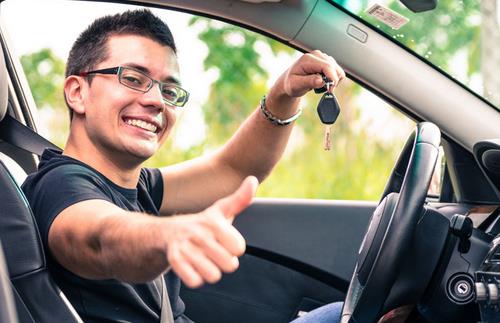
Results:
141 124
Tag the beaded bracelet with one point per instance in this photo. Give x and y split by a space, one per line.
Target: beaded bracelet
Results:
274 120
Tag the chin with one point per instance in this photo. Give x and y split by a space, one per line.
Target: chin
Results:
143 155
138 155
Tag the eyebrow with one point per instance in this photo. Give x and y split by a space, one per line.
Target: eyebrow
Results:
168 79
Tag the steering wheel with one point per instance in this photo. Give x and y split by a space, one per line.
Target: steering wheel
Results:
391 227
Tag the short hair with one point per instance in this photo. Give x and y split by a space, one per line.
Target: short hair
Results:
90 47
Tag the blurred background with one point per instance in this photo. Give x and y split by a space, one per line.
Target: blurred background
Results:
227 70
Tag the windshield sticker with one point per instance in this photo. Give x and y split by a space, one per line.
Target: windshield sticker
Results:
387 16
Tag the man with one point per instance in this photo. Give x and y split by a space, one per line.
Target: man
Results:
97 209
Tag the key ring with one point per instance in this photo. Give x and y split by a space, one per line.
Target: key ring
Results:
328 85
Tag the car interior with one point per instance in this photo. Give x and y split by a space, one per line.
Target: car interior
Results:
410 256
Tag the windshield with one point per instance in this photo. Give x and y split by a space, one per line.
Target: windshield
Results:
460 37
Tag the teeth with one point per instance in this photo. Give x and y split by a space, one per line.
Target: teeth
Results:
141 124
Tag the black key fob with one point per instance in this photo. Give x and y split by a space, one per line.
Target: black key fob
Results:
328 108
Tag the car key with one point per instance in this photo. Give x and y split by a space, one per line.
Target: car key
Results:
324 88
328 111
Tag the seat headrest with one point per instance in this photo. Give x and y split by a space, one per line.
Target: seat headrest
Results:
4 87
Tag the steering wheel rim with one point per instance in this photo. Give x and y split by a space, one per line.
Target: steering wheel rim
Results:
393 222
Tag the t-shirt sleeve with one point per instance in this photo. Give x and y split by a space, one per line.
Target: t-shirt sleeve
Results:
153 182
60 188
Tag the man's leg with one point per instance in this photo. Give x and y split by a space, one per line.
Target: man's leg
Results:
329 313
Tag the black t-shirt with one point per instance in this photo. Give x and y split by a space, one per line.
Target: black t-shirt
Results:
62 181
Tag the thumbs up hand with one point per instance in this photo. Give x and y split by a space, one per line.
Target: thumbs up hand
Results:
201 246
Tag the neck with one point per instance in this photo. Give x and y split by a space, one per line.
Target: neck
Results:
122 172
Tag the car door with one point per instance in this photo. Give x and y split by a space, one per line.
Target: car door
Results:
300 255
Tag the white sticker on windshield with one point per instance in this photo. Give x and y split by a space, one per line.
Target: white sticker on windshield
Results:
387 16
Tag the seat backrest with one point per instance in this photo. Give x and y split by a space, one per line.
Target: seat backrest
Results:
7 308
37 297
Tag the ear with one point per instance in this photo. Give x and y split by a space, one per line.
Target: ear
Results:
75 91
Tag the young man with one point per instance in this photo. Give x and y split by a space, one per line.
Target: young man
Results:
99 212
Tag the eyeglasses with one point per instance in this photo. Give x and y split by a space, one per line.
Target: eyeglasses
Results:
137 80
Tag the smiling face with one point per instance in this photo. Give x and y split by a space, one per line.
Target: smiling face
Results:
123 123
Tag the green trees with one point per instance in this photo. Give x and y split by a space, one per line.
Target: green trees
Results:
45 74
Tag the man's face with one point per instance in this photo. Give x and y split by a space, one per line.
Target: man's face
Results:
129 124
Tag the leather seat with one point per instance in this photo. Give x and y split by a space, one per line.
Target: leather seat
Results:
37 297
7 308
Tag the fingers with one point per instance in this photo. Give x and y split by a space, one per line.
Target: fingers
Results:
183 268
305 74
308 82
201 263
329 67
227 235
225 259
201 259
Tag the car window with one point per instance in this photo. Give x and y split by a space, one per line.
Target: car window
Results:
227 70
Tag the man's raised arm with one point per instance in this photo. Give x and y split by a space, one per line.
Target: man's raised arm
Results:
255 148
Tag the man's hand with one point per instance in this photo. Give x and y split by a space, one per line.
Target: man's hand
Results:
202 246
305 74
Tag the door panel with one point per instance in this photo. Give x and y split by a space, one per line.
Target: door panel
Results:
300 255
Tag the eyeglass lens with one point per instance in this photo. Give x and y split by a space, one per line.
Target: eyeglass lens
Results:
141 82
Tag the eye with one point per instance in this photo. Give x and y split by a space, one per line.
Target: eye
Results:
169 93
133 80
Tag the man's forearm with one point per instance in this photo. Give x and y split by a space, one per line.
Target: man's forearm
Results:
132 250
97 240
258 144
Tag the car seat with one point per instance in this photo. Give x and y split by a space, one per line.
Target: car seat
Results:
7 308
37 297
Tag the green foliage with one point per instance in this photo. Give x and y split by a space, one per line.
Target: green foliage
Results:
241 81
438 35
356 168
45 74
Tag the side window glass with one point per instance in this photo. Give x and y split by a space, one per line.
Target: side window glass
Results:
227 70
366 141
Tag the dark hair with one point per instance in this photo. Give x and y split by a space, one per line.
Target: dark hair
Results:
90 47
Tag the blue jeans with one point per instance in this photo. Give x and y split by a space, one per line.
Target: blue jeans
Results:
329 313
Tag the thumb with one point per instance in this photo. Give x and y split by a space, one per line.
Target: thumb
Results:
233 204
301 84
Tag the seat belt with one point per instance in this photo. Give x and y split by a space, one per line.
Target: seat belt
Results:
23 137
166 310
